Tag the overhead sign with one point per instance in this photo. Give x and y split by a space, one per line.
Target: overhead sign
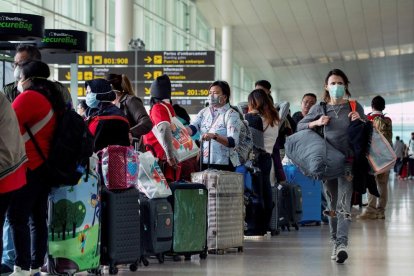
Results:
66 41
21 26
89 73
176 57
179 89
177 73
107 58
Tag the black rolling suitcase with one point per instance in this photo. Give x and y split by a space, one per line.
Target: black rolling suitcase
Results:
121 241
289 206
274 220
156 227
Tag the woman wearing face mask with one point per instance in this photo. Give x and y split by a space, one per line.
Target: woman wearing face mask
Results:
107 123
131 105
219 124
36 107
338 191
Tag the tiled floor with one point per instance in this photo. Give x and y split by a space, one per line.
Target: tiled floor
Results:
380 247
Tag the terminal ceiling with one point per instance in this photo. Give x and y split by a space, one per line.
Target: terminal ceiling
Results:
294 43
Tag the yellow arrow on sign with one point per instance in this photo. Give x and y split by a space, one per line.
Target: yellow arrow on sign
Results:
148 75
147 90
148 59
67 76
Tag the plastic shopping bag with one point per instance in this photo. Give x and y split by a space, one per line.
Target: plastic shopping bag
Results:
381 156
151 180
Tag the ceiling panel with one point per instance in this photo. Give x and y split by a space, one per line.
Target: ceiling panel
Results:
294 43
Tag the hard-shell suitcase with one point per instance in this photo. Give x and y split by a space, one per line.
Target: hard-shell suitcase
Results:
189 203
156 226
225 209
289 205
311 195
274 220
74 227
120 234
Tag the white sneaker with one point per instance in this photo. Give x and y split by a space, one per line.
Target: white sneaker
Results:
333 255
341 254
19 272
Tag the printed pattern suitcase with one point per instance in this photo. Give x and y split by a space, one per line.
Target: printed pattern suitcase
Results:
274 221
120 234
189 203
225 209
156 227
74 227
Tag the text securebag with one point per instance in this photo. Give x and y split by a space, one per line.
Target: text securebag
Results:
151 180
381 156
184 146
119 167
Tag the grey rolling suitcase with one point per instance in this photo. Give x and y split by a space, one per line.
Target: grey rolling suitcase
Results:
225 209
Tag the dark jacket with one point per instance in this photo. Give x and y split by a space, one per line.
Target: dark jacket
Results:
359 136
109 126
10 91
136 114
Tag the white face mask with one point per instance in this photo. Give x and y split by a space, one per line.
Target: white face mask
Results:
20 86
16 73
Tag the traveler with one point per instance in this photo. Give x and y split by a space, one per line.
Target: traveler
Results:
376 205
106 122
308 100
31 200
12 172
338 191
134 110
411 157
263 120
219 125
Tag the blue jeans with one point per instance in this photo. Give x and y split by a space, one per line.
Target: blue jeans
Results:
8 246
338 193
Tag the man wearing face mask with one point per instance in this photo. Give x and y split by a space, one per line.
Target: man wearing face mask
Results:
338 191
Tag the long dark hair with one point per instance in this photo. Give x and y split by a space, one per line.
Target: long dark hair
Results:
260 101
120 83
337 72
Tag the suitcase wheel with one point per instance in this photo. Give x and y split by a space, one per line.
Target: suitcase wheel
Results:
144 261
97 271
203 255
216 251
133 267
113 270
240 249
160 258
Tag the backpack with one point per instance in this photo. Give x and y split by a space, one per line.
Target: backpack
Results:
71 147
384 126
245 145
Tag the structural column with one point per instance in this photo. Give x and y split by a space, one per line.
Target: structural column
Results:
124 20
227 57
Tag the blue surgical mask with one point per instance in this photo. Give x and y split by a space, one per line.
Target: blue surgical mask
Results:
337 91
91 100
213 100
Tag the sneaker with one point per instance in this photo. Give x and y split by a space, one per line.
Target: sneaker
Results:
367 215
5 270
333 255
18 271
35 271
341 254
380 215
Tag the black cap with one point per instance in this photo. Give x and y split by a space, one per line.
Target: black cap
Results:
101 87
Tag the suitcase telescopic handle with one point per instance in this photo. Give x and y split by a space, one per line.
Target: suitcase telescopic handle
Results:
202 153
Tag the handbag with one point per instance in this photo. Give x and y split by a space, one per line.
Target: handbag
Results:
119 167
381 156
151 180
184 147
